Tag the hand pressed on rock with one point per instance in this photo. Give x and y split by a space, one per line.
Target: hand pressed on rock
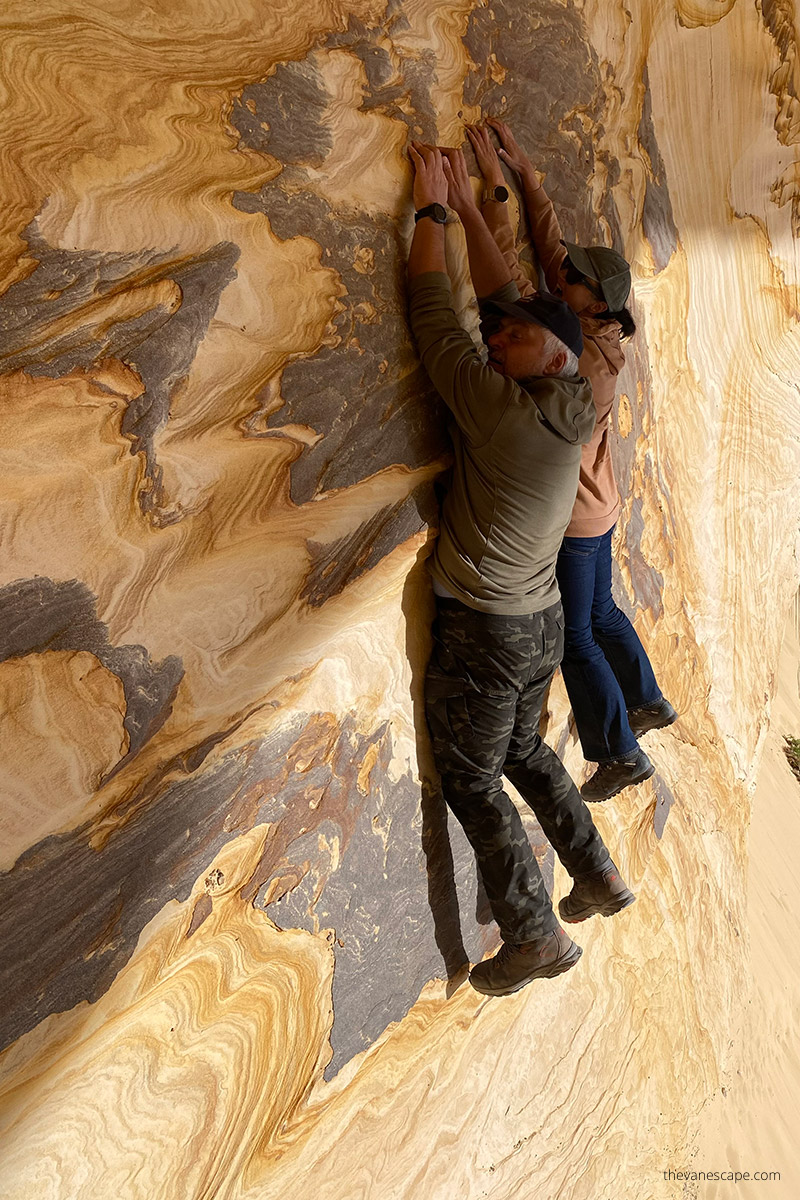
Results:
430 184
512 153
490 166
460 196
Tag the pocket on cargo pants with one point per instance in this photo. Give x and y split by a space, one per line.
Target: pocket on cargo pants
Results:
448 718
470 732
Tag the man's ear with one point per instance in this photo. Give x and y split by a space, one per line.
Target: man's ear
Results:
556 364
596 308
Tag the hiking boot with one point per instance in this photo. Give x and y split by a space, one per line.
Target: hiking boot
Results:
651 716
514 966
615 776
602 892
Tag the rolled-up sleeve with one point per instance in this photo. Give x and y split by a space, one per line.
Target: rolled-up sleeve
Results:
476 395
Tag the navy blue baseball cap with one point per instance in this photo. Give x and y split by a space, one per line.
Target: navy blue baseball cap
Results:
544 309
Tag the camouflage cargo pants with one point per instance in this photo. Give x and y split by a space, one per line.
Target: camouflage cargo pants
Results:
484 690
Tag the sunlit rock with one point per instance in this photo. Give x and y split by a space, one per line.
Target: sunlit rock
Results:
233 925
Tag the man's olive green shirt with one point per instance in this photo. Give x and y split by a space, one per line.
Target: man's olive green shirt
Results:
517 456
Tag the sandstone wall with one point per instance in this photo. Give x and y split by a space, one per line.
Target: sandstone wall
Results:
233 926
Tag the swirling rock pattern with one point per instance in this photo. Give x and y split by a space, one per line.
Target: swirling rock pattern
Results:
233 920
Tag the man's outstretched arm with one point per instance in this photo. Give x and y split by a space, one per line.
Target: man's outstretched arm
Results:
430 187
474 392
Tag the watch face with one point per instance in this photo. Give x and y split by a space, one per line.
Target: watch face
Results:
500 192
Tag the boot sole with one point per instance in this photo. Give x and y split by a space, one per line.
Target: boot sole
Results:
630 783
637 733
549 972
624 900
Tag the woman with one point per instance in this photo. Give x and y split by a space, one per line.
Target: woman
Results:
614 694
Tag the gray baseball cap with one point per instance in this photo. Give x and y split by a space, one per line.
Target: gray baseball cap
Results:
606 266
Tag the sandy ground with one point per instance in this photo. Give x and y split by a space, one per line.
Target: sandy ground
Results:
751 1122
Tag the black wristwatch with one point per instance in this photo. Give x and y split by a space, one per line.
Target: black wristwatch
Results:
436 212
498 193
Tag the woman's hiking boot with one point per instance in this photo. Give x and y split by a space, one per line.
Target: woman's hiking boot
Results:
614 776
651 716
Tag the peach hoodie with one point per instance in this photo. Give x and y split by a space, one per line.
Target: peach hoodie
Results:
597 504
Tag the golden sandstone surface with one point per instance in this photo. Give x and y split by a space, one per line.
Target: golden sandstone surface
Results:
233 926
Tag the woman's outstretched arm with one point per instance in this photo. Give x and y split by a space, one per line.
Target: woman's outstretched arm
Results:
545 229
495 213
487 266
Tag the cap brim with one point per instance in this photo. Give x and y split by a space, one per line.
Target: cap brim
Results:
515 310
581 261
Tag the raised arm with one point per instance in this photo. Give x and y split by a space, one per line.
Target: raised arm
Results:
475 393
430 187
487 266
495 212
545 229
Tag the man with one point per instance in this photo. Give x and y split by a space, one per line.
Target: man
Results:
520 422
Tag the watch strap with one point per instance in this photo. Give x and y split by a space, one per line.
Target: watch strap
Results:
431 210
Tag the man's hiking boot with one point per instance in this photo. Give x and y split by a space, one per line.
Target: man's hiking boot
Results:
615 776
651 716
601 892
514 966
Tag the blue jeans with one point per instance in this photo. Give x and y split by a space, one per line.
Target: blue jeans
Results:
605 668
